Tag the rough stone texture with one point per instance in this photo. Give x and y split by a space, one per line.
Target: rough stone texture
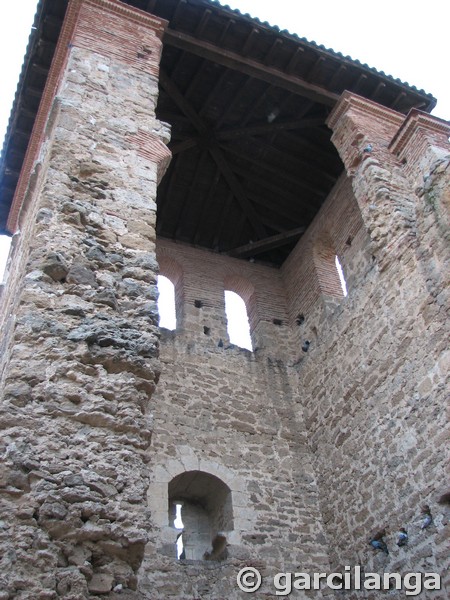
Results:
316 449
82 338
231 413
375 383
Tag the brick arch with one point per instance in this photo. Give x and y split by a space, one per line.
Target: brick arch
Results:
170 268
245 289
324 256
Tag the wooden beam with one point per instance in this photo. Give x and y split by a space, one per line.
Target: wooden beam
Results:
292 206
182 103
191 196
294 60
237 189
273 50
267 166
275 241
292 164
203 22
215 151
256 104
214 90
205 202
315 68
184 145
245 83
250 41
263 128
336 77
251 67
224 33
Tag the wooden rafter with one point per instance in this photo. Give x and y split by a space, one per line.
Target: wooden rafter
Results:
264 128
337 77
214 90
215 151
254 106
243 89
184 145
237 62
238 190
205 205
182 214
270 168
291 165
274 241
287 203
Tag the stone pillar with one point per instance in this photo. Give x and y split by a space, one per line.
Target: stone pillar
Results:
422 146
362 132
81 353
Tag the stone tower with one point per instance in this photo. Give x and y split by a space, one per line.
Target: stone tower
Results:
287 458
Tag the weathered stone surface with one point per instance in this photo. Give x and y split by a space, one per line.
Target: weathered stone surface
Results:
80 365
283 458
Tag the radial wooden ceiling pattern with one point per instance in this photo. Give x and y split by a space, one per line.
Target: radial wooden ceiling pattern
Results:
252 157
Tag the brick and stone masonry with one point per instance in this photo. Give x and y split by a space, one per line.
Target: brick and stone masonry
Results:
79 315
293 458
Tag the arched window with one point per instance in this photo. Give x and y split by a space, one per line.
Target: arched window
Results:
237 320
166 303
341 275
200 508
328 267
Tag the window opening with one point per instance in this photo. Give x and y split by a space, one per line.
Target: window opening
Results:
238 326
341 275
178 524
166 303
201 511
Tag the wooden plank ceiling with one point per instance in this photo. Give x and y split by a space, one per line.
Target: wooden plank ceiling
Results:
252 157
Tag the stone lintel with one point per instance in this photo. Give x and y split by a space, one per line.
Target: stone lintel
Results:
77 23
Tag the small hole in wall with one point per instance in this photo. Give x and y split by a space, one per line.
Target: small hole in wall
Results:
277 322
404 161
198 303
349 240
206 330
300 319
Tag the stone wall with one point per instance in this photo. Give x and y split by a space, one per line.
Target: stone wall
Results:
231 413
288 457
81 349
374 382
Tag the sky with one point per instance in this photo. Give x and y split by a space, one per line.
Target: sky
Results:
403 38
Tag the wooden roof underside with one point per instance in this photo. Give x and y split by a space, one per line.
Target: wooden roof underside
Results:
252 157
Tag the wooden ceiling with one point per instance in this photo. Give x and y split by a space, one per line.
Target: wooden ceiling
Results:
252 157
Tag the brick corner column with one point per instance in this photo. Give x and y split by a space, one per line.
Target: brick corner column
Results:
362 133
